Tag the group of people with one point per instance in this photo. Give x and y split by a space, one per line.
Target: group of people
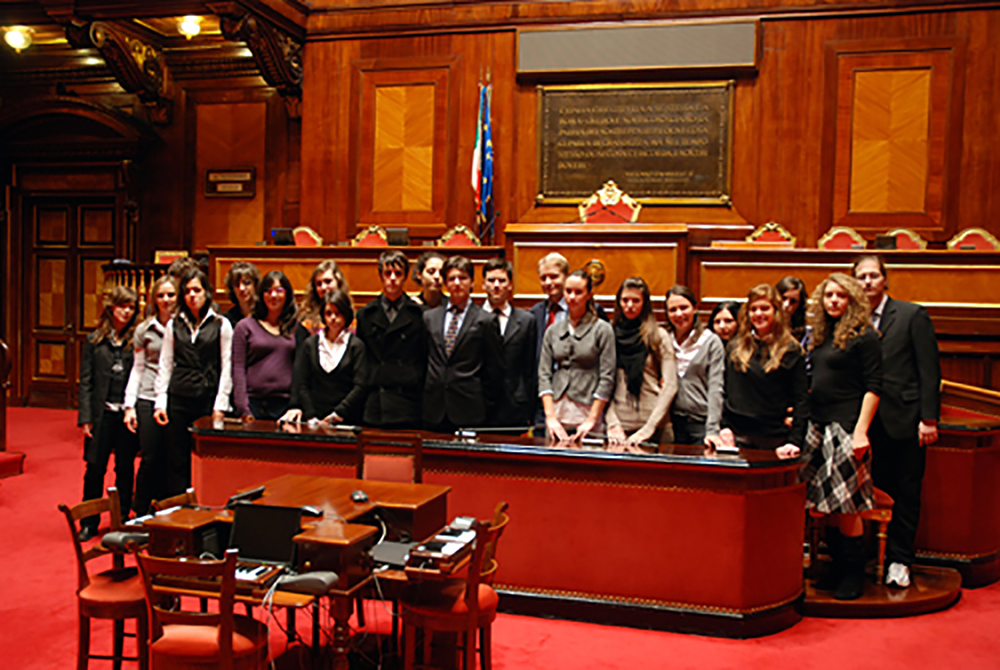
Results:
828 378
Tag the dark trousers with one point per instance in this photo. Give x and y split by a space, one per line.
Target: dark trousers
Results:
182 412
151 481
110 436
898 469
268 407
687 430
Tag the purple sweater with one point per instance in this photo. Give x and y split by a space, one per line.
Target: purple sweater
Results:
262 363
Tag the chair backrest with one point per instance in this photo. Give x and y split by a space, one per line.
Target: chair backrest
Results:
497 525
305 236
974 239
187 499
486 535
907 240
842 237
459 236
372 236
390 457
155 570
109 505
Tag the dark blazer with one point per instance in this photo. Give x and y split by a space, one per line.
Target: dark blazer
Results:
911 370
397 360
516 407
95 377
464 386
342 390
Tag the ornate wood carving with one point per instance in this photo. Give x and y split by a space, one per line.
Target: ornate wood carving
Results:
137 66
277 53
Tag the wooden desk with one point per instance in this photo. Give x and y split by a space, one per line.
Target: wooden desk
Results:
679 541
339 541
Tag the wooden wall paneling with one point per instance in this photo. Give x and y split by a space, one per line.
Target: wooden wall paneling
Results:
966 369
979 187
896 119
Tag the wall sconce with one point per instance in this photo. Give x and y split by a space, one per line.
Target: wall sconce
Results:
190 26
18 37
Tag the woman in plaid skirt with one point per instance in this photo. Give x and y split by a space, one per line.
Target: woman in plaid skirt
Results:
846 382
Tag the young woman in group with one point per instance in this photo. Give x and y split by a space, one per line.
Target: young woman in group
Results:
427 273
646 374
331 369
242 282
576 369
700 355
194 378
793 302
765 375
139 394
104 367
327 276
723 320
264 352
846 383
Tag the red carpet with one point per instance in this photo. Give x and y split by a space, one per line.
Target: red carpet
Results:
11 464
38 612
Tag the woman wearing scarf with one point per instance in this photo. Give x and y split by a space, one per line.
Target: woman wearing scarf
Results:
646 377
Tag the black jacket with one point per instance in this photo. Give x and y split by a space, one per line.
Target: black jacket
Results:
516 406
342 390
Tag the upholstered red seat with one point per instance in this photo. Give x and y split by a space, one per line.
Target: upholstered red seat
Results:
190 645
117 586
445 608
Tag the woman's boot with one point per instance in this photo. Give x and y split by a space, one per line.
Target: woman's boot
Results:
852 583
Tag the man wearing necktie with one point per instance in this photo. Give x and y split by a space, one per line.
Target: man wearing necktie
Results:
908 412
464 365
392 328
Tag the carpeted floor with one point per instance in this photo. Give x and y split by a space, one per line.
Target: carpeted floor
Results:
38 614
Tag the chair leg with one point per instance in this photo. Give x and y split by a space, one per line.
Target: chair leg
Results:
882 537
119 643
142 640
486 647
469 649
409 646
394 645
83 651
425 656
359 604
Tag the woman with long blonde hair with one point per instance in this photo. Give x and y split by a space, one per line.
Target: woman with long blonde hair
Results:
846 383
150 483
765 375
104 366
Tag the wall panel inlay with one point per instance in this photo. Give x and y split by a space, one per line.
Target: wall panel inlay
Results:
403 169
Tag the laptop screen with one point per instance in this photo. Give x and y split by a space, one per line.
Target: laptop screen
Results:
263 533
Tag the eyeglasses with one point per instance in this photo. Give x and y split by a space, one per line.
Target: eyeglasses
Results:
276 290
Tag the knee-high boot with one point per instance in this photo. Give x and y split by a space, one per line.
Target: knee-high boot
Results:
831 579
852 584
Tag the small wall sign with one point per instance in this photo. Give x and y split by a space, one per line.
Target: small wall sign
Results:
231 183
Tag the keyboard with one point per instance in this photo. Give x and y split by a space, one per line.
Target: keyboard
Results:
256 573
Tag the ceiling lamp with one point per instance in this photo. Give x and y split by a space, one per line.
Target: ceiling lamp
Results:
18 37
190 26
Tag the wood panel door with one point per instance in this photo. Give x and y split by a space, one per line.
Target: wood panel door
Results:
66 240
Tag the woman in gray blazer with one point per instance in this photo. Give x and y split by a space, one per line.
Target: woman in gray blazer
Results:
576 369
700 356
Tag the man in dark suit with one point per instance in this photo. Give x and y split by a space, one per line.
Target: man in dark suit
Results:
464 373
392 328
516 406
908 410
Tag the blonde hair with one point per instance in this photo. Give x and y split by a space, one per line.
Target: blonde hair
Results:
557 259
775 344
152 311
850 324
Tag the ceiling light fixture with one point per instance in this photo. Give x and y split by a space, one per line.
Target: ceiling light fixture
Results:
190 26
18 37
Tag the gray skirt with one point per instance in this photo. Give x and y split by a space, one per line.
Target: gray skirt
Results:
836 482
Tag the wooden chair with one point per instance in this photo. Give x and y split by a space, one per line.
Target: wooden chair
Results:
390 457
974 239
182 640
498 523
187 499
115 594
305 236
609 205
880 515
462 606
841 237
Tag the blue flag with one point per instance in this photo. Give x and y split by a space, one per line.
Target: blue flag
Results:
486 214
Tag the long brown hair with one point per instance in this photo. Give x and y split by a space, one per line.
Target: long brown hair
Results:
312 307
649 329
745 345
851 323
120 295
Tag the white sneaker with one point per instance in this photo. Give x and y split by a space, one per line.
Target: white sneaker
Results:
899 575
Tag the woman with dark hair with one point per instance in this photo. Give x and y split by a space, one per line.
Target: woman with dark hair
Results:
723 320
846 385
576 370
140 396
104 366
264 351
327 276
700 355
793 302
427 273
331 369
195 374
765 375
646 377
241 281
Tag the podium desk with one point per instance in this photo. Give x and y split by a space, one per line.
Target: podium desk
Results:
684 540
